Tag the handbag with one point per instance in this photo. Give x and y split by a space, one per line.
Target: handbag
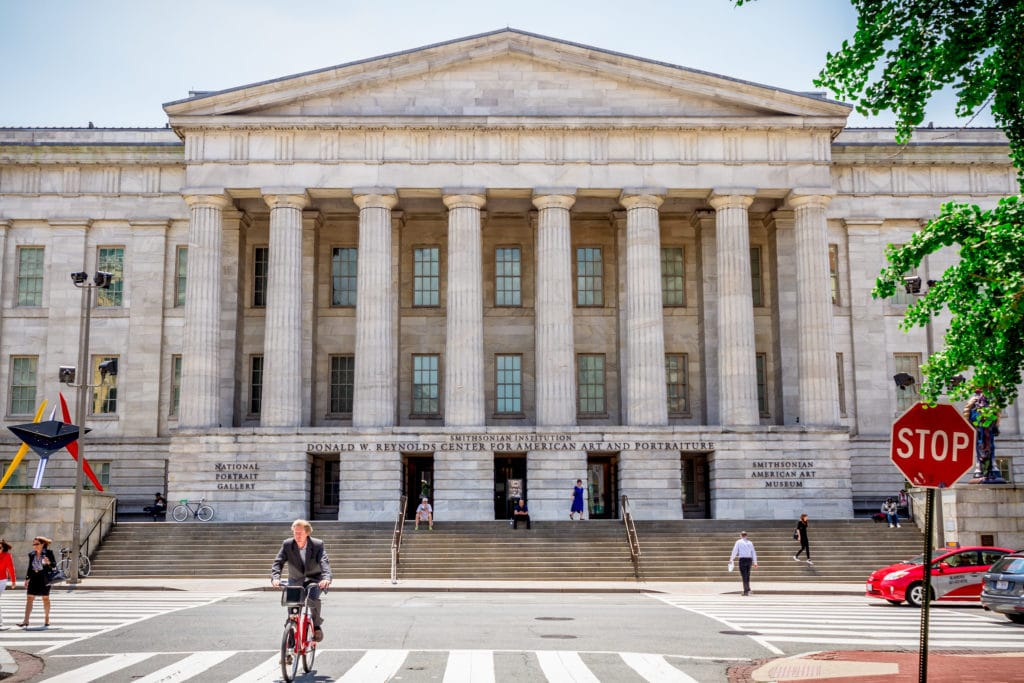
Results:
796 535
55 576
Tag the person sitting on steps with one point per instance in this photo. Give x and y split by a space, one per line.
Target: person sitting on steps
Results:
424 513
891 514
520 513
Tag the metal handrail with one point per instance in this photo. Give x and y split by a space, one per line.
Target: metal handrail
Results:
631 537
396 539
111 506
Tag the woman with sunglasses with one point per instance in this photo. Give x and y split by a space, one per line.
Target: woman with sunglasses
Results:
40 562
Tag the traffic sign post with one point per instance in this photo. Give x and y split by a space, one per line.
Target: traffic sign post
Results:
933 447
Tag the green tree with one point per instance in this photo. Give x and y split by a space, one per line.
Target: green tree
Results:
903 52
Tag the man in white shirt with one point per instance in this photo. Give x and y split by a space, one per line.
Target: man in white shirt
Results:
743 550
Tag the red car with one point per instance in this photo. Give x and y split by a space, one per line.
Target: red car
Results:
956 576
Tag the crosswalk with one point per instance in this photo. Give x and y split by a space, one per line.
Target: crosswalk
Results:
372 666
774 620
79 615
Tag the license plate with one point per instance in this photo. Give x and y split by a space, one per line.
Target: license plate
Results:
1002 585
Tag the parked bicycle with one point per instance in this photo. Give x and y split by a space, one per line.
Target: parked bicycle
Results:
197 508
297 641
64 563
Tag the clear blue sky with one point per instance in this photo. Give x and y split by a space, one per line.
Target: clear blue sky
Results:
115 62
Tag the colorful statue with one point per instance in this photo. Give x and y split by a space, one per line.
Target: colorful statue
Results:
986 431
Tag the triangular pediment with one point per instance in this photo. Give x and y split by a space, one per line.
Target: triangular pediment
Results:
507 73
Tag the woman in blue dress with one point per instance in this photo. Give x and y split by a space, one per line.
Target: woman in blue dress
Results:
577 500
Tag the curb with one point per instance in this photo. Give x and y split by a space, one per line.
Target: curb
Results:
8 667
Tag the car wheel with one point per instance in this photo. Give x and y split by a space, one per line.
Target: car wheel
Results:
1016 618
915 595
894 602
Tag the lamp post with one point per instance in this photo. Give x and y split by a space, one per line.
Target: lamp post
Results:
101 280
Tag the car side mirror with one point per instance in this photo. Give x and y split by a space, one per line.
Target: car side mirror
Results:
942 566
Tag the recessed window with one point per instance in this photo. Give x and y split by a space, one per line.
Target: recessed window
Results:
260 268
909 363
343 276
180 273
508 370
30 276
590 384
111 260
426 276
756 282
342 383
104 393
23 385
676 374
673 277
426 394
901 297
175 384
762 385
841 380
589 277
833 272
255 384
508 279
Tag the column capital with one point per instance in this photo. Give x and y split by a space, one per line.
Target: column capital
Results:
212 197
554 198
809 196
285 197
5 223
375 197
731 197
642 197
464 198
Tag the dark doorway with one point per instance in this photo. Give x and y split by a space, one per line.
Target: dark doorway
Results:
509 484
325 477
418 475
603 486
696 487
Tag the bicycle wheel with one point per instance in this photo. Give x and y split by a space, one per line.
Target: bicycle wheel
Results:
179 513
289 660
64 565
205 513
309 645
84 565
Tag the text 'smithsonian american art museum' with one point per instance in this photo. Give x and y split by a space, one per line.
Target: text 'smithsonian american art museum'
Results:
483 269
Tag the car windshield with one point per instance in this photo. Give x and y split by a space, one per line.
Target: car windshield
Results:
936 554
1009 565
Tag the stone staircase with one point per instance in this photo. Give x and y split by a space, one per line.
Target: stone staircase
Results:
690 550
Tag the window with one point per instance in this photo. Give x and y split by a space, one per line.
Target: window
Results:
673 277
833 272
589 277
909 363
180 271
23 385
425 388
343 276
841 379
111 260
15 481
260 265
508 279
30 276
508 371
901 298
104 393
175 384
590 384
343 370
331 491
762 385
255 384
756 286
426 276
676 371
101 468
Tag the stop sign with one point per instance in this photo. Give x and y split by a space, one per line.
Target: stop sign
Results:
932 447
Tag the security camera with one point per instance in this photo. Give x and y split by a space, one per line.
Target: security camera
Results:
108 367
66 374
80 277
912 284
903 379
103 279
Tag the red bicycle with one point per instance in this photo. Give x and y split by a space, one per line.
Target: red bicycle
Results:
297 641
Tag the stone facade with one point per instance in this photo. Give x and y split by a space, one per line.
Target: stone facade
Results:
487 266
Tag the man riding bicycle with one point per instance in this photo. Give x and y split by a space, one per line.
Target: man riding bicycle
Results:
308 565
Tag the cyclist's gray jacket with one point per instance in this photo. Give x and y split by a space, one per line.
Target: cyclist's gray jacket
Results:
317 567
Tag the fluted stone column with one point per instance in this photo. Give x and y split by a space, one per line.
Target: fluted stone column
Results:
373 401
647 403
200 366
554 347
282 341
737 360
819 391
464 343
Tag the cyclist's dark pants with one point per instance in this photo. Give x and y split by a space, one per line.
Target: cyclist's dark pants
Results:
313 596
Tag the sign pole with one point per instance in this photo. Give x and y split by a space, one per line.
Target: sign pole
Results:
927 586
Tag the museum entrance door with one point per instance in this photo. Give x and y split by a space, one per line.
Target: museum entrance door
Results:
509 484
603 486
696 486
324 480
418 481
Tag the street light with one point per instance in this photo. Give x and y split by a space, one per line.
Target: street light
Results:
80 279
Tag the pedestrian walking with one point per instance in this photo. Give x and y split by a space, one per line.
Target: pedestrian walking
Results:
800 534
743 550
37 578
577 500
7 574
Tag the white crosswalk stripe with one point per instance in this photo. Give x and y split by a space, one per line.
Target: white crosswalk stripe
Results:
824 621
369 666
78 615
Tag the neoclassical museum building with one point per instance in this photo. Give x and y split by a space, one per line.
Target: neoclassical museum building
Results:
478 270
